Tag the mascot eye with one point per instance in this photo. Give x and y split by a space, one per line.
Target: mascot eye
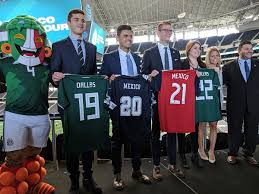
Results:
38 39
19 36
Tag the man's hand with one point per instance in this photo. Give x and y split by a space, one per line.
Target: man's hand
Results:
57 76
154 73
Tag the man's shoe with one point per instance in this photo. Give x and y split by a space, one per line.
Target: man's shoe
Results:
118 183
232 160
176 171
183 160
91 186
74 187
137 175
156 173
251 160
196 160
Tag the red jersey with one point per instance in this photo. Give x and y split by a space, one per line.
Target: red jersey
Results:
176 101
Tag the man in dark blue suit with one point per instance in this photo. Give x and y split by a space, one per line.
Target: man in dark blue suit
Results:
123 62
75 56
158 58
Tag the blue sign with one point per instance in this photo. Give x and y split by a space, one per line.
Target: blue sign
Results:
97 37
51 13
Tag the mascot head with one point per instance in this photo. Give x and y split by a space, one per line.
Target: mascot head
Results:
24 39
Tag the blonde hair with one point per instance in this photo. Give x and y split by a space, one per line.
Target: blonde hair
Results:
208 53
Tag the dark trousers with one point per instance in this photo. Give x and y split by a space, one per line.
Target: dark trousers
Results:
136 150
171 148
155 140
235 122
72 161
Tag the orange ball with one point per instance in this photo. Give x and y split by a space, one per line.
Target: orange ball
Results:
33 179
8 190
41 161
22 188
37 157
43 173
33 166
21 174
7 178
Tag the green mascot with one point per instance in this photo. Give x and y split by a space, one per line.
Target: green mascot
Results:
24 56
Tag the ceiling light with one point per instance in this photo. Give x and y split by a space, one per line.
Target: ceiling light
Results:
112 30
249 16
181 15
190 26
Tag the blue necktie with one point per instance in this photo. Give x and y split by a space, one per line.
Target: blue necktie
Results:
129 65
247 70
80 52
166 59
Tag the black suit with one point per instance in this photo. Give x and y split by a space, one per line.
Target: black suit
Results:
152 61
242 106
112 65
66 60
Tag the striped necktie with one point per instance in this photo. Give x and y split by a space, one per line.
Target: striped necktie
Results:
80 52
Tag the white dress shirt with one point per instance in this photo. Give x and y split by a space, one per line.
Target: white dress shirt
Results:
161 49
123 61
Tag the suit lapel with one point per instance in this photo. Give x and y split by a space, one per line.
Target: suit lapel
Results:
117 61
239 70
158 56
174 58
87 53
72 51
253 67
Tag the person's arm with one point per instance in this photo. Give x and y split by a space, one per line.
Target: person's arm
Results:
105 66
147 66
56 74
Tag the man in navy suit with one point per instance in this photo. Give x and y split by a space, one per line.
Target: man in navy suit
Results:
241 77
75 56
117 63
158 58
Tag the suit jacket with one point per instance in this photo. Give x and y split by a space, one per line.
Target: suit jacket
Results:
241 96
152 61
112 65
66 60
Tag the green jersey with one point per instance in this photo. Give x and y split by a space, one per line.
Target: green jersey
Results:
27 87
83 111
207 97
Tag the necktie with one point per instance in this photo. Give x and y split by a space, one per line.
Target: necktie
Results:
80 52
247 70
166 59
129 65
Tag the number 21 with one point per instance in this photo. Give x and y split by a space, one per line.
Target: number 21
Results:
176 92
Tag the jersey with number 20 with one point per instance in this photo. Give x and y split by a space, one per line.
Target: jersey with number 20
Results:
176 101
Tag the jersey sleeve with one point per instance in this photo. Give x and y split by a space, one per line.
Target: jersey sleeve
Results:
62 96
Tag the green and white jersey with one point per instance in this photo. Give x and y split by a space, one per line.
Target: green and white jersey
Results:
207 96
27 87
84 113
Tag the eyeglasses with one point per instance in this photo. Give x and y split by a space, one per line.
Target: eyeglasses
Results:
166 30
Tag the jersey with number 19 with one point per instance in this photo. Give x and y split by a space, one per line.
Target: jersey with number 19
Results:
132 115
85 118
176 101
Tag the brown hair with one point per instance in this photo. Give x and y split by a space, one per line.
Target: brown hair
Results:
123 27
74 11
188 47
208 53
163 23
243 43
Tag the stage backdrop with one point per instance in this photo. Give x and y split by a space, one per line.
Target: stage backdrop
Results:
51 13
